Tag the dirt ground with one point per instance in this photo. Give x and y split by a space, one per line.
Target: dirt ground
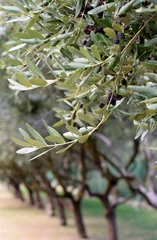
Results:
19 221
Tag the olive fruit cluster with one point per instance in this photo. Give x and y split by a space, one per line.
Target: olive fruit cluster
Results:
113 97
88 28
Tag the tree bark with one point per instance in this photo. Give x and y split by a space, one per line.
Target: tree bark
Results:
111 224
31 197
61 210
39 201
17 191
19 194
51 208
79 219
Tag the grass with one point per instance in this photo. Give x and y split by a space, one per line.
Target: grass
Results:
132 224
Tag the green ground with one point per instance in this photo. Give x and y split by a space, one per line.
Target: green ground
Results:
133 224
19 221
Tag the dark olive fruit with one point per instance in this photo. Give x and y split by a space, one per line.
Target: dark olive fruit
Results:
80 105
98 69
84 42
88 8
120 35
101 105
88 28
117 96
124 82
124 3
100 2
126 27
115 41
146 3
113 102
84 10
108 98
141 40
99 30
113 97
122 15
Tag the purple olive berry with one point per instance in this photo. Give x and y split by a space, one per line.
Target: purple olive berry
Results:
115 41
88 28
101 105
113 97
88 8
126 27
99 30
81 105
122 15
120 35
84 42
113 102
124 82
117 96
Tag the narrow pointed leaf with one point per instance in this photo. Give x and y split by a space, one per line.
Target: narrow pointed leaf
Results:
35 142
64 149
17 47
24 133
53 132
32 22
38 81
35 134
27 150
20 142
34 69
23 80
83 139
55 139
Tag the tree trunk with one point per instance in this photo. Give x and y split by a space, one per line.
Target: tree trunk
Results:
18 192
62 214
79 219
51 208
31 197
111 224
19 195
39 201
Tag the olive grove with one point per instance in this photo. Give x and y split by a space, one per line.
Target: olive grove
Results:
95 64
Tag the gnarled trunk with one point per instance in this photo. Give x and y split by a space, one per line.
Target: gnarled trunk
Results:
110 216
39 203
79 218
17 190
111 224
61 210
31 197
51 208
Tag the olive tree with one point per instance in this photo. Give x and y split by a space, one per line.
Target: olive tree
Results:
99 54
